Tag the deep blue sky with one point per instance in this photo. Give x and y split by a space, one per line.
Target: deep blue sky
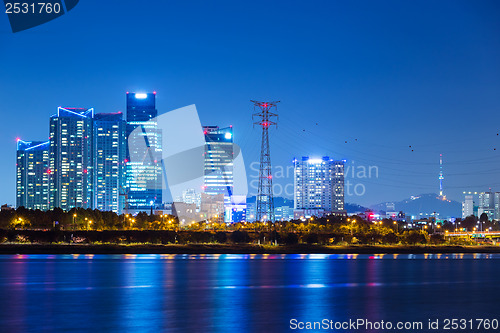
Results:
381 75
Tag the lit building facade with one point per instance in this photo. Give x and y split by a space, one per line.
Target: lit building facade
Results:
71 169
251 211
109 167
218 170
319 185
489 203
496 203
468 206
32 174
218 166
236 211
143 153
212 207
283 213
190 196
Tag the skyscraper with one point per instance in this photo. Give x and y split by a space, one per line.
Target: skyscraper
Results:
32 174
109 161
468 206
144 153
71 158
496 202
218 173
319 185
489 203
218 166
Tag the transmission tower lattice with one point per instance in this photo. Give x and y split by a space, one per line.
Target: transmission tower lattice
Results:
266 118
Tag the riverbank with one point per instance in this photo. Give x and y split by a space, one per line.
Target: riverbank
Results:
234 249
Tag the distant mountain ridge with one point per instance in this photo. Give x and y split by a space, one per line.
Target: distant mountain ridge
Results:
425 203
352 208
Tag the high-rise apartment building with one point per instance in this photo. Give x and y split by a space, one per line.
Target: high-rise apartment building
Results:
496 203
86 163
71 153
319 185
109 161
489 203
468 206
144 153
32 174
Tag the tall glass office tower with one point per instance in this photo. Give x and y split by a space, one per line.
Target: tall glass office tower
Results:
32 173
319 185
144 153
109 161
218 170
71 158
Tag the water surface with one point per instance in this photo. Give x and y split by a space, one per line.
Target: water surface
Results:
239 293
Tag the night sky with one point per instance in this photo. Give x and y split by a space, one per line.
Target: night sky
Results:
358 80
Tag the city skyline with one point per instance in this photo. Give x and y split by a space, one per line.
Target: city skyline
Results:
207 129
381 91
263 166
107 162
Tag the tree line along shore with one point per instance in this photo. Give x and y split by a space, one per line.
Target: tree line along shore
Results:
237 241
93 229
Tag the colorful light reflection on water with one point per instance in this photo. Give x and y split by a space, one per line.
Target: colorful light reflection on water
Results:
238 292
